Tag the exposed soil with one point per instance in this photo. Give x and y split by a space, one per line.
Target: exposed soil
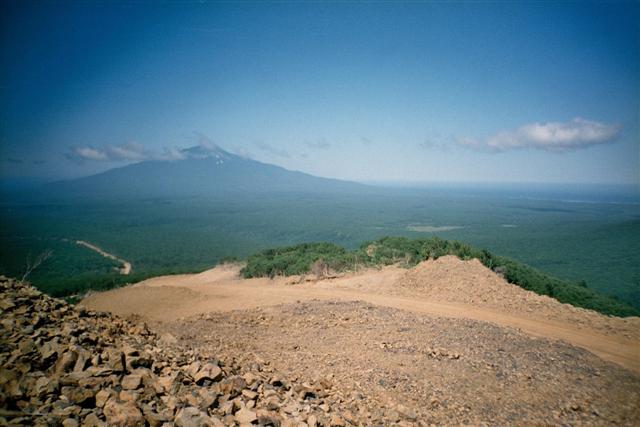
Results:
442 371
447 287
447 342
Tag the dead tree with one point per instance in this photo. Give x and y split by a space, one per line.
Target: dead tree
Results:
35 263
320 269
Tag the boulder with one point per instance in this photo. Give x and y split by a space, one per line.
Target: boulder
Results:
208 372
193 417
245 416
66 362
131 382
122 414
92 420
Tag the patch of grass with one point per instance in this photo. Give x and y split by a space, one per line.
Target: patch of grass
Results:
299 259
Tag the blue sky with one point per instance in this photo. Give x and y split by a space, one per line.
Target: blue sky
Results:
415 92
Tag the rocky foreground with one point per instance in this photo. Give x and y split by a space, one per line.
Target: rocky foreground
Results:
311 363
402 367
65 365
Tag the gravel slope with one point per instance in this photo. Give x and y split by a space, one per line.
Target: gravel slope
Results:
447 287
396 365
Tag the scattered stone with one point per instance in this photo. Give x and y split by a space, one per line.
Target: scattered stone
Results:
193 417
167 339
92 420
66 362
122 414
70 422
102 396
337 421
245 416
131 382
208 372
251 395
80 367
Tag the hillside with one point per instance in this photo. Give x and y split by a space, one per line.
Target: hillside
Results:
389 346
210 172
405 348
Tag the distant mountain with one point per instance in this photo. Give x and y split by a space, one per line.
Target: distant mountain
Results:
202 171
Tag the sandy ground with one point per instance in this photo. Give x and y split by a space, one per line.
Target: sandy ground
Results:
447 287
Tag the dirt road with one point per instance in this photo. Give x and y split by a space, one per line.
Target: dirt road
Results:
220 289
126 266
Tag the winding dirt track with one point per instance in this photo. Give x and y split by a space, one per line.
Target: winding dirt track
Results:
126 265
168 298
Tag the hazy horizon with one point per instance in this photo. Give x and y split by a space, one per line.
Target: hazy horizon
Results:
34 181
422 92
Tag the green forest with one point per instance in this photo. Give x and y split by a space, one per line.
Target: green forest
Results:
596 244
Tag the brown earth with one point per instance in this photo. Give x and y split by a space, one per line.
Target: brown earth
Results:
440 371
447 342
447 287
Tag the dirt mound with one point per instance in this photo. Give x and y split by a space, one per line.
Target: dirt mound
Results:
469 282
450 279
65 365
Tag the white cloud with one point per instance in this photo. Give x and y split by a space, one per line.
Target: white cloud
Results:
136 152
201 147
205 143
129 151
89 153
552 136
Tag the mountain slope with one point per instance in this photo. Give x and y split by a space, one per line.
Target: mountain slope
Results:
201 172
